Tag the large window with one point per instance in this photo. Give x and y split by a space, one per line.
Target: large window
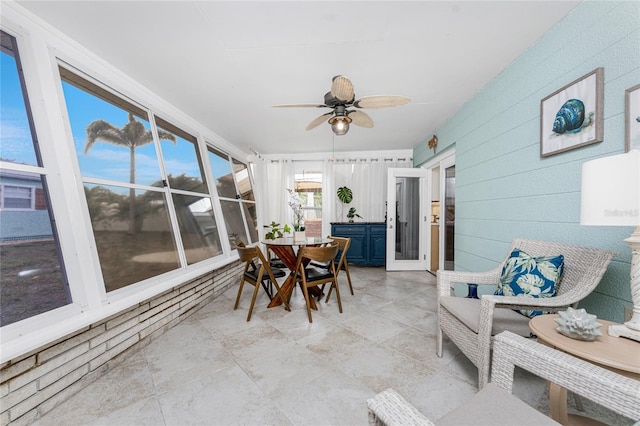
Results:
308 186
236 198
32 275
188 186
145 188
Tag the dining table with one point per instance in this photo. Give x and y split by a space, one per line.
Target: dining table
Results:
287 249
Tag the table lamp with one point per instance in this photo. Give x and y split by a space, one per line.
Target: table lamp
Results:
611 197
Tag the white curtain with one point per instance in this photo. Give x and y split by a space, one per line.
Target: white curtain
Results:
367 179
280 176
259 171
328 197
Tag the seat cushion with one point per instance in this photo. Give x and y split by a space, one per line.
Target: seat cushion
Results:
468 312
252 274
525 275
277 263
316 274
278 273
323 265
495 406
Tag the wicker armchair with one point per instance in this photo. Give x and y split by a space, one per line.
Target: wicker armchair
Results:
495 404
471 323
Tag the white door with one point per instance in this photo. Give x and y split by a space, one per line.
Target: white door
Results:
407 219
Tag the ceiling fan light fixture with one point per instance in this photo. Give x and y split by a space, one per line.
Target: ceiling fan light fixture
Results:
340 125
340 98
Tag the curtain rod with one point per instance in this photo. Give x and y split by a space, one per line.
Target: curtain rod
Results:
342 160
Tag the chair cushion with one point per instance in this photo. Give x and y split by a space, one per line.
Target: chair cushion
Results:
323 265
468 312
495 406
278 273
524 275
315 274
277 263
253 274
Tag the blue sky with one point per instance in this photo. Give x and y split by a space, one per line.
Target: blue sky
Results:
15 137
107 161
104 160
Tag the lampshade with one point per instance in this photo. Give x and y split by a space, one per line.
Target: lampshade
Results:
611 190
340 125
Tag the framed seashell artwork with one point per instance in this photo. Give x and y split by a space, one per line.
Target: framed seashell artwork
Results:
632 118
572 116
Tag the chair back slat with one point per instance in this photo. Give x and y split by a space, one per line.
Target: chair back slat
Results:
257 270
321 254
247 254
583 266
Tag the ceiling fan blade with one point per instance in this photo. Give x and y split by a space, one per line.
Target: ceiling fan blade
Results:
361 119
319 120
342 88
300 106
381 101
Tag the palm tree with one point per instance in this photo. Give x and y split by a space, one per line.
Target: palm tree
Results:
132 135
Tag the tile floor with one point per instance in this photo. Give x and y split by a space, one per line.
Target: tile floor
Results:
215 368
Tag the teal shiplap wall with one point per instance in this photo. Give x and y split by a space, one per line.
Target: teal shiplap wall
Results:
504 189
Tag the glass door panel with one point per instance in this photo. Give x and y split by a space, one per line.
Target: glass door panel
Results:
406 220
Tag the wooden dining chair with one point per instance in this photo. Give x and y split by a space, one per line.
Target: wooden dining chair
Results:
311 276
254 274
341 264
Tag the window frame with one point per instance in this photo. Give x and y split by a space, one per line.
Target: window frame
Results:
31 198
48 169
211 149
42 51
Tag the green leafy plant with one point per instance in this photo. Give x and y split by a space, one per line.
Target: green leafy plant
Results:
352 213
276 231
345 195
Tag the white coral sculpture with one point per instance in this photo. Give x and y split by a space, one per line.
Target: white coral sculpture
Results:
578 324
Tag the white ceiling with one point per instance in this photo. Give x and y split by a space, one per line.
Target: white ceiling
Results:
226 63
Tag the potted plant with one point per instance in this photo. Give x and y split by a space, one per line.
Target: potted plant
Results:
345 195
276 231
298 215
352 213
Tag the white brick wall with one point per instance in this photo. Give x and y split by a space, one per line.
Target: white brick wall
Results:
34 385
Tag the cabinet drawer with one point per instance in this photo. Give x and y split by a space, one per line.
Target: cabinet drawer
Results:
347 230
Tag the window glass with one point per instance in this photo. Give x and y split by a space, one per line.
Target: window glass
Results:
16 197
32 275
198 228
181 159
127 253
222 173
308 187
234 222
112 138
236 197
134 237
252 219
242 178
16 136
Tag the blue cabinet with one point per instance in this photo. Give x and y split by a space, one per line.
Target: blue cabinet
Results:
368 241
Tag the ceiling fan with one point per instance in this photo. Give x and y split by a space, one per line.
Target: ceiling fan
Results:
340 99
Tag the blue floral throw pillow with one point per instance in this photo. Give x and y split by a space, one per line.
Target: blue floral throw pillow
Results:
530 276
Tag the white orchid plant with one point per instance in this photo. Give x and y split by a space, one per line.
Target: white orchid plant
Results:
296 206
